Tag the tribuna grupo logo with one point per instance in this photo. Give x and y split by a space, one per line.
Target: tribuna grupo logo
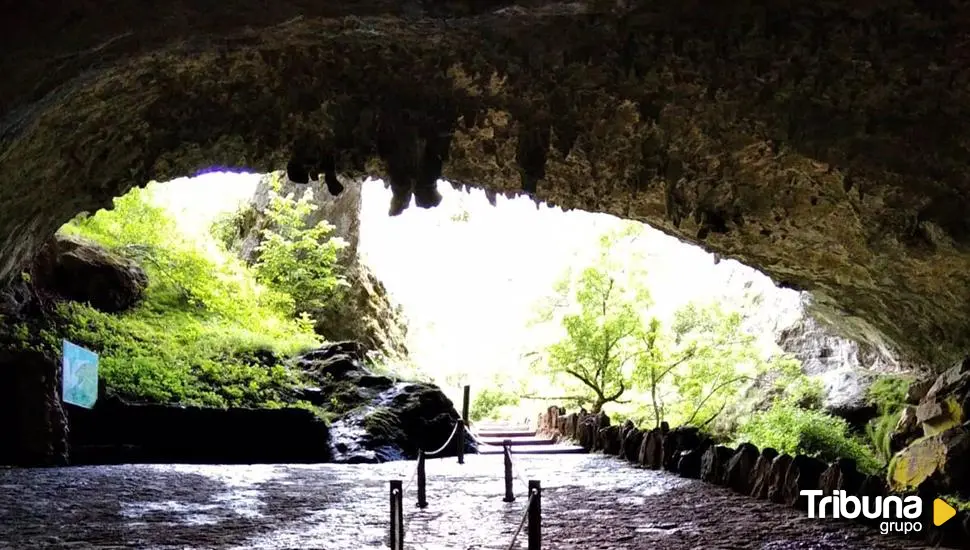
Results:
899 514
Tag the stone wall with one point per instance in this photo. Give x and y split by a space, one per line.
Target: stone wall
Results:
764 474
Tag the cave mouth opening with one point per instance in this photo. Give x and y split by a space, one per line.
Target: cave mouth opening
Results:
512 251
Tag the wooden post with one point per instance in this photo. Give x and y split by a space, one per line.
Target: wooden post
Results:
461 442
466 394
422 495
535 514
509 497
397 515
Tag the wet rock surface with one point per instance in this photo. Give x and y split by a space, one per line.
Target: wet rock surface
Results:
589 502
380 418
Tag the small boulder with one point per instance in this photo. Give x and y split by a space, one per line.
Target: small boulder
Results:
917 391
941 458
907 429
572 421
778 477
651 450
689 463
740 468
761 476
714 462
631 445
841 475
81 271
610 440
676 441
803 475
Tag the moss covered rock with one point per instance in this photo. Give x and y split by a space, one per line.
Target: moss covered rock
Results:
377 418
940 458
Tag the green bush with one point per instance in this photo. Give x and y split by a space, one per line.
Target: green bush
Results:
792 430
487 402
297 260
205 319
888 395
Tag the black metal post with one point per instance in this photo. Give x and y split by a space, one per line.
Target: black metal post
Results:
464 404
422 495
509 497
397 515
535 514
461 441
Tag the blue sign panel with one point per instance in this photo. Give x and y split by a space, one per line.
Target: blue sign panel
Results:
80 379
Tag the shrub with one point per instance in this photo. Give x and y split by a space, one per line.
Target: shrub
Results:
790 429
888 395
488 402
205 319
298 260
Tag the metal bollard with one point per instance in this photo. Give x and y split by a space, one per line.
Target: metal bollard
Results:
422 495
535 514
461 442
509 497
397 515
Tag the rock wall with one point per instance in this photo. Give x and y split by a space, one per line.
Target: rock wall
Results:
377 418
764 474
33 426
365 312
845 362
118 433
822 142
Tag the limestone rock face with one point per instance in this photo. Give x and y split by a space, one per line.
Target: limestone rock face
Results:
364 311
936 436
940 458
378 419
114 432
34 427
753 130
73 269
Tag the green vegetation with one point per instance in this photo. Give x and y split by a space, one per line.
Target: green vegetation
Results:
614 352
790 429
297 260
210 330
888 395
490 402
613 348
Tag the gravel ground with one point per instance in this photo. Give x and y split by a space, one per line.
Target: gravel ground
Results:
588 502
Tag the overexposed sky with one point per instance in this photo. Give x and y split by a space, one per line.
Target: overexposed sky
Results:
469 288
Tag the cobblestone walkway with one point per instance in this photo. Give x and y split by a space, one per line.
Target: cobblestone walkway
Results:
589 502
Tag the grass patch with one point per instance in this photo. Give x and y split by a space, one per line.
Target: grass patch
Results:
208 332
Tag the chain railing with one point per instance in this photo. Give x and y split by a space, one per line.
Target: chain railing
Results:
531 516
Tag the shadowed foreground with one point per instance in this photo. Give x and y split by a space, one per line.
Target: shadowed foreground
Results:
589 502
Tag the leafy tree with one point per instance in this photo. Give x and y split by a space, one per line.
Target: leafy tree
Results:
299 260
612 347
601 325
713 349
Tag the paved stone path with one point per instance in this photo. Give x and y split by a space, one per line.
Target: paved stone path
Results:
590 502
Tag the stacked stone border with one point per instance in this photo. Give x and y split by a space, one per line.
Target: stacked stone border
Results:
764 474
